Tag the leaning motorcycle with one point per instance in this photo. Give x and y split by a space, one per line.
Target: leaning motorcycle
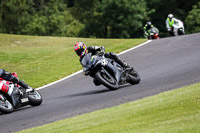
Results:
153 33
178 28
107 72
17 97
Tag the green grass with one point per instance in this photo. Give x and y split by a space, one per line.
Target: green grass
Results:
176 111
42 60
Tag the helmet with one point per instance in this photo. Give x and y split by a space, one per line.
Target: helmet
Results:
80 49
170 16
148 23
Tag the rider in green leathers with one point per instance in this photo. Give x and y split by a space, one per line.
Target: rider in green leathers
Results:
147 28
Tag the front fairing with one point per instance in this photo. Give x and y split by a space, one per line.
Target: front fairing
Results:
89 61
94 63
110 66
115 69
178 25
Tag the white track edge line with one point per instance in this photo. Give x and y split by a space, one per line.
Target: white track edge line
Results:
82 70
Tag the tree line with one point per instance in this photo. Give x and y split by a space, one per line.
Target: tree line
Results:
94 18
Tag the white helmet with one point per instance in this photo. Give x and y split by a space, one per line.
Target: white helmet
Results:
170 16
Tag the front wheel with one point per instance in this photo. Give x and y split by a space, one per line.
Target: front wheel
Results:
106 80
35 98
133 77
181 32
5 106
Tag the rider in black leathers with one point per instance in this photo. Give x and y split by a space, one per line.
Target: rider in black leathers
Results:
9 77
81 50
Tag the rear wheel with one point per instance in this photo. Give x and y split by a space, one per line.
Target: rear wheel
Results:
133 77
6 106
35 98
107 81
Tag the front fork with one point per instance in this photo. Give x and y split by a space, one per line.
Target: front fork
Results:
104 71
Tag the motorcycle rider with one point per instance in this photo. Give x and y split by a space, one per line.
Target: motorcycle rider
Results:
5 75
146 28
81 50
169 24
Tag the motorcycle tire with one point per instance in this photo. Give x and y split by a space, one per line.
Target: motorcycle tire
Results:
110 83
35 99
180 32
133 77
6 107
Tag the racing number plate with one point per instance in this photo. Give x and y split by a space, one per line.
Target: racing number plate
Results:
24 100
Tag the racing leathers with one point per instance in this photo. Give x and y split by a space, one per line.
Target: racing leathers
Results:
7 76
96 49
146 30
169 25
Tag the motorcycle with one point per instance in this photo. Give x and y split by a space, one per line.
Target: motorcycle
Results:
107 72
178 28
153 33
17 97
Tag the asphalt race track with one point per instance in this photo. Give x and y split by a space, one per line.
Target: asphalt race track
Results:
163 65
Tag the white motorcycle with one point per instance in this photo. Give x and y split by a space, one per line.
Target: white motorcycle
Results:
178 28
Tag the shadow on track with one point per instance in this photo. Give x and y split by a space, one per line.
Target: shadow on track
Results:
18 109
93 92
87 93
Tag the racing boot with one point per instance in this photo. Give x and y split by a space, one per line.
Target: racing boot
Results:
25 86
118 60
22 84
124 64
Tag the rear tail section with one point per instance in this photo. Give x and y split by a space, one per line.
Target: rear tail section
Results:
6 87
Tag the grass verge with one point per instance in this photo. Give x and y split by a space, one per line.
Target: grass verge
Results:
42 60
176 111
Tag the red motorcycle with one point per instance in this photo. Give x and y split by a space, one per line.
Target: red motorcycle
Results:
153 33
13 96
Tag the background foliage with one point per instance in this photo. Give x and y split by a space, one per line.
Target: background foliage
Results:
94 18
